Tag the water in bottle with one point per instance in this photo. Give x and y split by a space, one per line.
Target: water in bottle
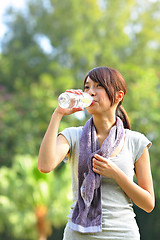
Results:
73 100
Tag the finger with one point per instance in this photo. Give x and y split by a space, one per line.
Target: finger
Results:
96 170
97 164
78 92
69 111
100 158
77 109
70 90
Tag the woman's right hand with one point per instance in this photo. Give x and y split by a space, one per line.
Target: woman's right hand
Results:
70 111
67 111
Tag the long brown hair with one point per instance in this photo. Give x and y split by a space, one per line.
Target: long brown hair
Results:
112 81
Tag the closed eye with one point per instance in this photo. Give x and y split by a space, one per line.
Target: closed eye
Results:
86 87
99 85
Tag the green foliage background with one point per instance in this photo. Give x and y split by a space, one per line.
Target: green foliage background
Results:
48 48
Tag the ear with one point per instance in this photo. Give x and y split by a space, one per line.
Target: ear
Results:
119 96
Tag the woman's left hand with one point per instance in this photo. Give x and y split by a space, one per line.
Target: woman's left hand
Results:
104 166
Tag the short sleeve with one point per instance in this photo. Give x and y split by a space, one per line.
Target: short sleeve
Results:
141 143
72 136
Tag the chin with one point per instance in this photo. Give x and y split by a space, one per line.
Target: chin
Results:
91 110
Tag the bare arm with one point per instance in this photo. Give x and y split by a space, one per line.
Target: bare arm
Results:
53 149
142 194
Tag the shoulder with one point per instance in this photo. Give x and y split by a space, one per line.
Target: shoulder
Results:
137 142
137 137
72 134
73 131
133 134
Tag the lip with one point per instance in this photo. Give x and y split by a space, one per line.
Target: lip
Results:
92 102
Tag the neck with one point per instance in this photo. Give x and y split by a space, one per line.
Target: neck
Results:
104 124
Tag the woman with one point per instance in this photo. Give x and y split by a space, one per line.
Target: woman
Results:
104 155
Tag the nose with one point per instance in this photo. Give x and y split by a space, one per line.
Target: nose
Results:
91 92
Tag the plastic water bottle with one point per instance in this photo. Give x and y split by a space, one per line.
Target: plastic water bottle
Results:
72 100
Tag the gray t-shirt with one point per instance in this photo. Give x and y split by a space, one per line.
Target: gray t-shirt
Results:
118 217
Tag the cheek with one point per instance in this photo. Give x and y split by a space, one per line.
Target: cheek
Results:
105 101
103 96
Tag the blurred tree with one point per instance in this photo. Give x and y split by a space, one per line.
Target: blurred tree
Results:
31 202
144 32
24 116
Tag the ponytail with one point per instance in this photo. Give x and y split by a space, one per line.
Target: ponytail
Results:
121 113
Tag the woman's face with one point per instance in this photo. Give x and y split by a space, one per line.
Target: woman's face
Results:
101 103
